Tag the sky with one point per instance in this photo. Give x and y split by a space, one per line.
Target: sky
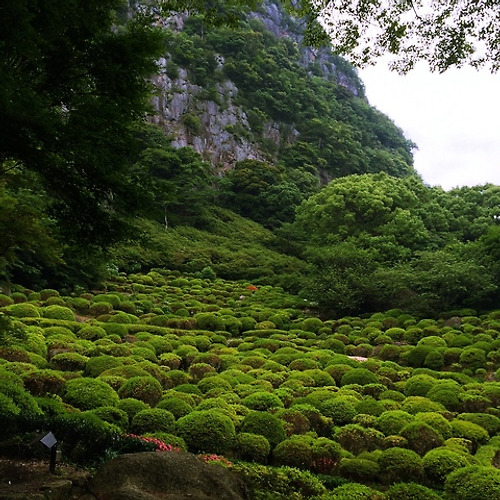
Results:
454 118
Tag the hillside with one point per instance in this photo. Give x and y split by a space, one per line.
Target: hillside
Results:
385 406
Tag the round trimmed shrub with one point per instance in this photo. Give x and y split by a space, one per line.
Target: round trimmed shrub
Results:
262 401
359 469
419 385
440 462
112 415
23 310
340 410
216 382
177 406
469 430
399 464
88 393
491 423
146 389
421 437
45 381
68 362
265 424
410 491
99 364
252 447
356 439
473 483
437 422
419 404
352 491
131 406
58 312
207 431
360 376
153 420
91 332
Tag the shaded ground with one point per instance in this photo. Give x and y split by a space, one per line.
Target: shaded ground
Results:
31 479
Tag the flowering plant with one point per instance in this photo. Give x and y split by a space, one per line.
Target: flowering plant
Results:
217 459
157 443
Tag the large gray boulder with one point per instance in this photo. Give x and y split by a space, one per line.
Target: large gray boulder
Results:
164 475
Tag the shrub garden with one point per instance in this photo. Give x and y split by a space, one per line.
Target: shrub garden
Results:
384 406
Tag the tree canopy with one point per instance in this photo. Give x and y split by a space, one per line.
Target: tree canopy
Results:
444 33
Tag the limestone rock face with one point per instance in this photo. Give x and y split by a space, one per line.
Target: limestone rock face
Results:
164 475
214 125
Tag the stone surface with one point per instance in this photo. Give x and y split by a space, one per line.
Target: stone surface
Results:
164 475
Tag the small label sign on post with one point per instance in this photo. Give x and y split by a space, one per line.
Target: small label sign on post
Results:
50 441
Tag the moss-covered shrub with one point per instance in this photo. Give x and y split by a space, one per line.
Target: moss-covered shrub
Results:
45 381
356 439
473 483
23 310
351 491
153 420
252 447
68 361
177 406
440 462
91 332
112 415
99 364
439 423
131 406
421 437
491 423
146 389
262 401
359 470
411 491
340 409
58 312
88 393
207 431
265 424
360 376
469 430
399 464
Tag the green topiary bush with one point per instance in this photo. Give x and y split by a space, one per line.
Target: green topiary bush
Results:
58 312
68 361
146 389
262 401
421 437
99 364
88 393
340 409
131 406
112 415
469 430
359 470
207 431
252 447
177 406
23 310
360 376
473 483
351 491
399 464
411 491
153 420
440 462
265 424
356 439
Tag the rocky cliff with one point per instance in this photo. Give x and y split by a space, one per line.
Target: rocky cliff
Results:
214 123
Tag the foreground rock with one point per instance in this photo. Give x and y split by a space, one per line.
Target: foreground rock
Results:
164 475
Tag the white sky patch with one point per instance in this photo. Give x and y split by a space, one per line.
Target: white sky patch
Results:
454 118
